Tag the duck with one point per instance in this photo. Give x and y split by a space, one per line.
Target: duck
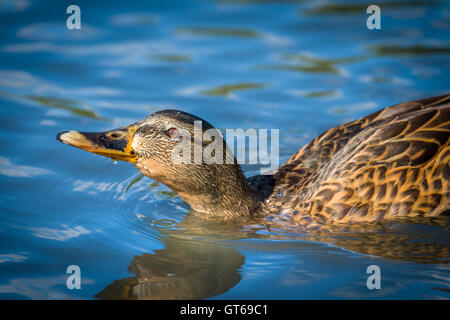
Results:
390 164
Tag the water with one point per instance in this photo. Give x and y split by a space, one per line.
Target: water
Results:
300 66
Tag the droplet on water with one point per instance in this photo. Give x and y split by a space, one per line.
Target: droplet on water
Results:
113 161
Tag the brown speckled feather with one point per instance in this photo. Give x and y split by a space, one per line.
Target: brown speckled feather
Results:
395 162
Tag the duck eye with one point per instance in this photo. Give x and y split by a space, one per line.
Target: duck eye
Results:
115 135
172 133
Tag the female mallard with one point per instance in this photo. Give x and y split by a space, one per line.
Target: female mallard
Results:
392 163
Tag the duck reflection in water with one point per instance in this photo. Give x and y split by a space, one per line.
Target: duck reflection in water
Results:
201 257
187 268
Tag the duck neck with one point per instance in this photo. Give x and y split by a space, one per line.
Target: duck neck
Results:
223 191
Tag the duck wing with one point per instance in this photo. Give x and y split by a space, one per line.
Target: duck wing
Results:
395 162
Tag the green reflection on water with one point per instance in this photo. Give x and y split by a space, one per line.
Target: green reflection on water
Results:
317 60
221 32
409 50
66 104
309 69
228 89
137 179
153 184
310 64
168 194
358 8
320 94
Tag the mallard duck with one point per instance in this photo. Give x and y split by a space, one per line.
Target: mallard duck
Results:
391 163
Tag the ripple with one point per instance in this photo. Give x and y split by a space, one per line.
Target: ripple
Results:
133 19
12 258
217 32
137 179
311 64
226 90
350 8
40 287
11 170
66 104
59 234
14 5
384 50
57 31
165 223
316 94
352 108
171 57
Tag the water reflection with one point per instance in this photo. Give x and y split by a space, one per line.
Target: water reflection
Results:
171 57
185 269
356 8
217 32
66 104
201 258
12 170
226 90
133 19
413 240
409 50
191 266
311 64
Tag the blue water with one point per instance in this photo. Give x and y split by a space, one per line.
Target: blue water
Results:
298 66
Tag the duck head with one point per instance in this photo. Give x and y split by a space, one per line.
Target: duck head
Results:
169 146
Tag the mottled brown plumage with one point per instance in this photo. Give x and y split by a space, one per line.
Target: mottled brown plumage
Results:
392 163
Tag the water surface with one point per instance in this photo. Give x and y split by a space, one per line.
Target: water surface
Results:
298 66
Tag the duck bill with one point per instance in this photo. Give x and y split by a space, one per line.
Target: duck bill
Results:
115 144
